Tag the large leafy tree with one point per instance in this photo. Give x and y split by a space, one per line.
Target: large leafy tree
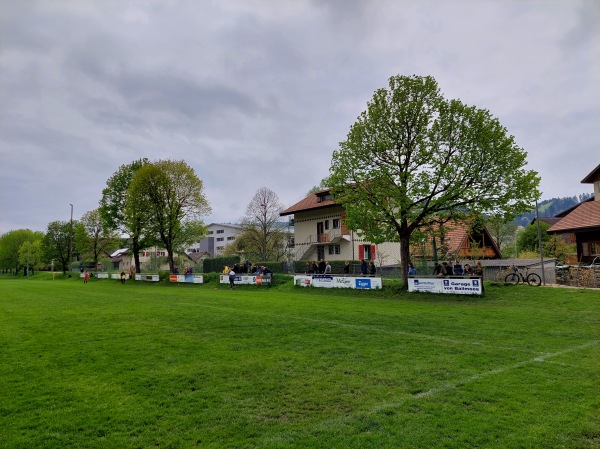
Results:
30 252
169 197
414 159
112 209
57 241
93 238
262 235
11 242
528 239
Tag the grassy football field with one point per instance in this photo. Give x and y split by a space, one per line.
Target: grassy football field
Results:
106 365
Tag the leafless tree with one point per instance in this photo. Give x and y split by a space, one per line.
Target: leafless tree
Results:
260 222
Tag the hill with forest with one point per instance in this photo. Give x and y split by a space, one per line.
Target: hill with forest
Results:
551 207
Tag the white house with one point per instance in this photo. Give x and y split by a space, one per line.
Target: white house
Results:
320 233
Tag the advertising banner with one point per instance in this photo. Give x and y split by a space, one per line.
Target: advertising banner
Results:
187 278
322 280
244 279
331 281
453 285
147 277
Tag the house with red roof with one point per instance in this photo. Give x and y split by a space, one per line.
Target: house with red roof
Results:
584 222
320 233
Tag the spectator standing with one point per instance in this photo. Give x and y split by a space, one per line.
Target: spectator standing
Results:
327 268
411 269
478 271
364 267
308 268
231 278
457 268
468 270
346 268
372 268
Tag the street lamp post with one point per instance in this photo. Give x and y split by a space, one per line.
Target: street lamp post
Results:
70 241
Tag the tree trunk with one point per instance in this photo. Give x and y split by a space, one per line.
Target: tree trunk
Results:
136 254
404 258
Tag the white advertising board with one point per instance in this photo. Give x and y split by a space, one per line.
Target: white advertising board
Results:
452 285
245 279
147 277
187 278
330 281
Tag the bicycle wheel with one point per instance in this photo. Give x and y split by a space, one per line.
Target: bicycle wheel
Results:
512 278
534 279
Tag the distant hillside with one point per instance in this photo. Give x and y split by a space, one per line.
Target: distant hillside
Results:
551 207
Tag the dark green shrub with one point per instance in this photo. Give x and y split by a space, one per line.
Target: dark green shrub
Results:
216 264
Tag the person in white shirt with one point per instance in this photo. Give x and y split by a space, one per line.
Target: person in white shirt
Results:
231 278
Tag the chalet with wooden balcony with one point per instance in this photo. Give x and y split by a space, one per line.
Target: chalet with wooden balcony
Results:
584 221
320 233
457 240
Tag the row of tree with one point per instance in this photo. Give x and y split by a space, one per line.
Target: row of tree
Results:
144 204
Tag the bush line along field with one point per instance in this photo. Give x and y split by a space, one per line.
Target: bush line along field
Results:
106 365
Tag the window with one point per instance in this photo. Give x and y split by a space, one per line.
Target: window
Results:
326 224
331 250
210 232
338 250
230 238
336 223
220 239
220 231
334 249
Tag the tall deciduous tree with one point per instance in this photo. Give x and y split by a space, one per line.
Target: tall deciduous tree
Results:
528 239
56 242
94 239
30 252
112 209
413 159
262 235
10 244
170 196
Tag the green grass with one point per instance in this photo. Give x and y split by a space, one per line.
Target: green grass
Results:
106 365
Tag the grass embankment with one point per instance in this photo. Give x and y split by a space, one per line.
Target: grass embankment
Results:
106 365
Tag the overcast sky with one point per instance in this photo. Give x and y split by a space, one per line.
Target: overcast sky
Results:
259 93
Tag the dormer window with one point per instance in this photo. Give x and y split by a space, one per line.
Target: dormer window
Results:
324 197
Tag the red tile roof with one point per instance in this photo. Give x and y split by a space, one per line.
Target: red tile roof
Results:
586 216
311 202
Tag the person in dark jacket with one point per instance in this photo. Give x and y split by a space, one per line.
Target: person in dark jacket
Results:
364 267
372 268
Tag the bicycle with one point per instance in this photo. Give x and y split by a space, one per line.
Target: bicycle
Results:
517 276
